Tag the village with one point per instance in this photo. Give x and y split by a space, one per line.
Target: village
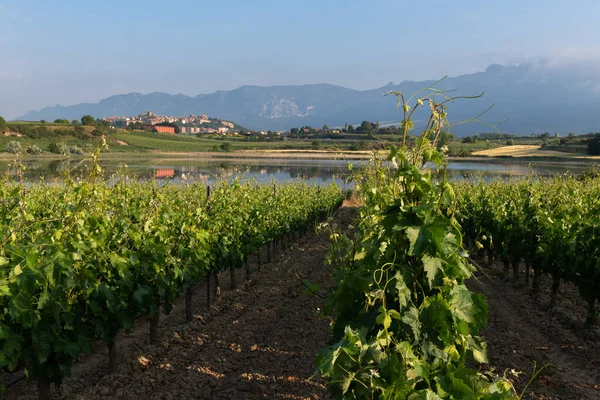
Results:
168 124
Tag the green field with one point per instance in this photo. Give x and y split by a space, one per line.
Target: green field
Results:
146 141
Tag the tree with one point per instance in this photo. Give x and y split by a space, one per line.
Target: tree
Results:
88 120
350 129
14 147
325 129
74 122
366 127
2 125
33 149
61 121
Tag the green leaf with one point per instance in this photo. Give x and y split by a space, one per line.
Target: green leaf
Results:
403 291
425 394
468 306
43 300
433 267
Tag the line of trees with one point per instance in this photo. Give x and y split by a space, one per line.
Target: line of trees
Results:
366 128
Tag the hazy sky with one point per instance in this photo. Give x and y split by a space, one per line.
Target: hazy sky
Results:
71 51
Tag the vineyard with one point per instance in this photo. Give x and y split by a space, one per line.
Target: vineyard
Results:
551 226
84 260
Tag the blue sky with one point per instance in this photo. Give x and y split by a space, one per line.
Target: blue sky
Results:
67 51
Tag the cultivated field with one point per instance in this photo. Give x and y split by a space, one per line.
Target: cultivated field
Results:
528 151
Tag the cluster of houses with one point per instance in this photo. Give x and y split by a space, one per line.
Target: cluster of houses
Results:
168 124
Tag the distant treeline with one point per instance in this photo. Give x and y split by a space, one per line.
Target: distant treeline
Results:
88 127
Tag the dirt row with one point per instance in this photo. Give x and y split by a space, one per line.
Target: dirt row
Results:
522 332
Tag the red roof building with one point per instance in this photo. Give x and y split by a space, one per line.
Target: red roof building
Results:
161 129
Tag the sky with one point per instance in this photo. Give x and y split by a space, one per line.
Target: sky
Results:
72 51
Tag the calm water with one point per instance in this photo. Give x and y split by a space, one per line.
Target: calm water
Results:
262 170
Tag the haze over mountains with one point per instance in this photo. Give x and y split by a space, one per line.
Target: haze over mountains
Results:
541 97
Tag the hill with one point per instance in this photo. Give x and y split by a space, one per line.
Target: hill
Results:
531 98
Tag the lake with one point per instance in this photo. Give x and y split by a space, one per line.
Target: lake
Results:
321 171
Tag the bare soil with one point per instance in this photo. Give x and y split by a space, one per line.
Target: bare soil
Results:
523 331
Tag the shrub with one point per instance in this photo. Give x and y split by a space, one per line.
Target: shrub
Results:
226 147
34 149
14 147
510 142
59 148
76 150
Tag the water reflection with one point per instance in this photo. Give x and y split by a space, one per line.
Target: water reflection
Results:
261 170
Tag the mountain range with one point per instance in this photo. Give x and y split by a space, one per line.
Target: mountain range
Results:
526 98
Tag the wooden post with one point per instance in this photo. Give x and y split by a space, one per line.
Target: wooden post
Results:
515 268
154 320
112 354
217 276
269 252
259 260
208 292
232 276
43 386
537 276
188 304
